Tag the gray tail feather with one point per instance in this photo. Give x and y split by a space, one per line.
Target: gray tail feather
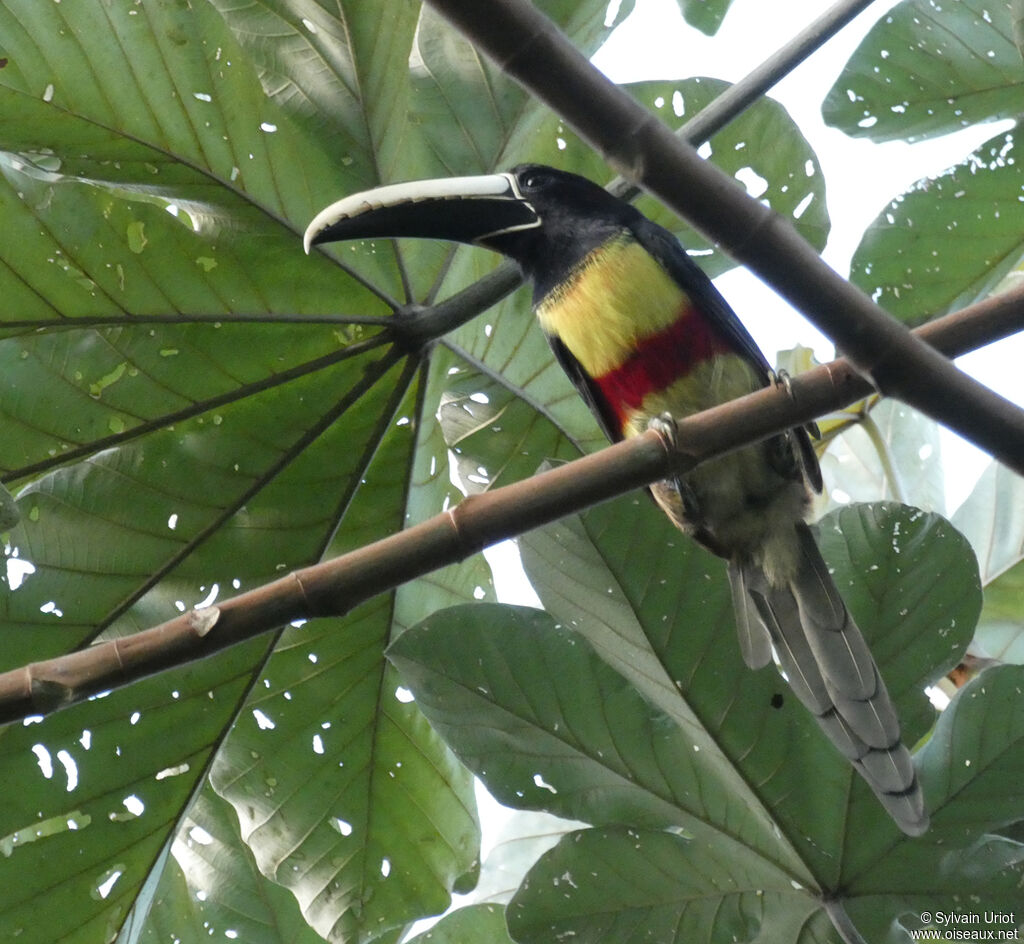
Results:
831 671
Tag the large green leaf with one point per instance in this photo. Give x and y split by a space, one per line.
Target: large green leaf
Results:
705 15
927 68
991 518
93 794
212 886
968 769
630 885
475 923
762 149
667 603
950 240
628 704
219 409
490 703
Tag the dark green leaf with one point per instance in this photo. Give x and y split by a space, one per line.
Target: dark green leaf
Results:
991 519
969 769
928 68
343 793
971 763
948 241
762 149
708 750
542 720
474 924
705 15
910 584
93 795
212 886
632 885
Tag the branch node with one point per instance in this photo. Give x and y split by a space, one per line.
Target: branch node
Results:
49 695
453 519
203 620
307 605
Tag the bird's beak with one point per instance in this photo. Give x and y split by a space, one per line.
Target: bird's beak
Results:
460 209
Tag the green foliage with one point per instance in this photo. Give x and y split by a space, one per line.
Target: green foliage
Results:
191 407
473 923
927 69
991 519
705 15
635 714
764 150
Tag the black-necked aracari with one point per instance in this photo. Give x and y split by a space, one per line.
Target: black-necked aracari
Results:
642 332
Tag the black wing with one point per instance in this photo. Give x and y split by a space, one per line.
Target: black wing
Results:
661 244
587 390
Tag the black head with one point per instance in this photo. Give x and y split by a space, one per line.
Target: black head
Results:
545 219
576 217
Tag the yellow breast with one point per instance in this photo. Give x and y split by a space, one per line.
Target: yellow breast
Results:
617 296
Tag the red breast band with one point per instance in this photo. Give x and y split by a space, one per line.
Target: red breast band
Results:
660 360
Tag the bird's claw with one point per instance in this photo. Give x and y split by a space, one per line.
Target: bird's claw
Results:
665 426
781 378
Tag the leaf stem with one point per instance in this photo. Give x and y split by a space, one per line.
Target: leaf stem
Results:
884 454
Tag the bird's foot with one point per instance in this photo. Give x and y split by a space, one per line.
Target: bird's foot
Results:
665 426
688 511
782 379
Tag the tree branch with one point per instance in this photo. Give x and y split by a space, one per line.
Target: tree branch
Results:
527 46
335 587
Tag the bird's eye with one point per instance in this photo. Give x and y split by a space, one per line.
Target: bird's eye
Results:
532 179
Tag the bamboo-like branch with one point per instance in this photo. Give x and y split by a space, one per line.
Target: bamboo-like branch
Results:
531 49
335 587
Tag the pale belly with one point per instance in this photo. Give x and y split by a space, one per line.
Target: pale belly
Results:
736 504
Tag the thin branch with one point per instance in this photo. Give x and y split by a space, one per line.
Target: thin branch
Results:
531 49
334 587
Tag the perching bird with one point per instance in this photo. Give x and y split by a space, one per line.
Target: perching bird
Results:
642 332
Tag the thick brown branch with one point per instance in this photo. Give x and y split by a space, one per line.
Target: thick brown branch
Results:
528 46
334 587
